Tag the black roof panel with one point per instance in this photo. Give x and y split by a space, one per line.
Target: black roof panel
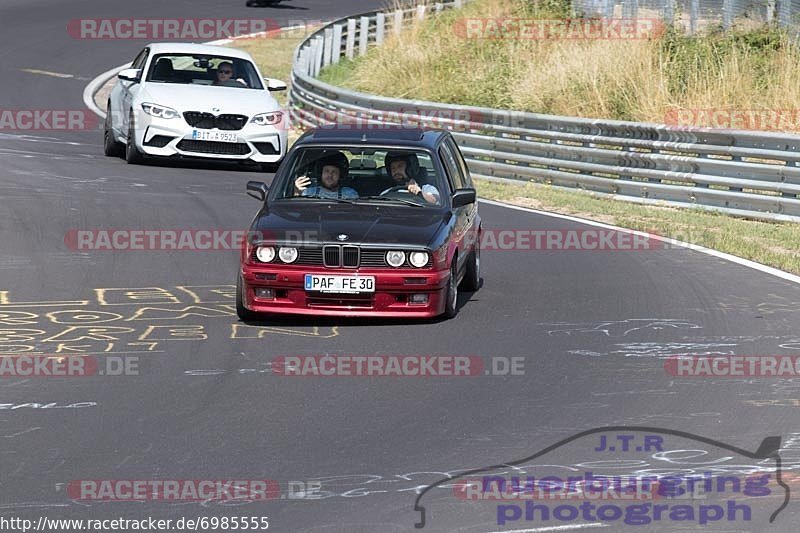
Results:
371 134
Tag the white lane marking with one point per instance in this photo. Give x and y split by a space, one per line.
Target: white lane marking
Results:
553 528
696 247
100 80
50 73
20 433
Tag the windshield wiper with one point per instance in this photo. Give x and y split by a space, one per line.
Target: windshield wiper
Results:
387 199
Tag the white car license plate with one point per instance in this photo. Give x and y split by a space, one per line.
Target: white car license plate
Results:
222 136
345 284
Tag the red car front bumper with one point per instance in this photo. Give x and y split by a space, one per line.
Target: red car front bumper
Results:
393 288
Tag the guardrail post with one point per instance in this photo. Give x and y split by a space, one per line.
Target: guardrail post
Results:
319 44
608 9
350 43
328 47
669 11
302 60
784 12
438 7
727 14
769 16
380 28
398 22
363 36
336 46
694 14
421 12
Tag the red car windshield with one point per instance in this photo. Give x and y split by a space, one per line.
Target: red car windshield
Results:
405 176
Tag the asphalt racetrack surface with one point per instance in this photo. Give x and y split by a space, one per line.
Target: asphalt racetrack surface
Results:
590 332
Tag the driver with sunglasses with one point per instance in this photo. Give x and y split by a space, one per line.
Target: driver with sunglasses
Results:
225 75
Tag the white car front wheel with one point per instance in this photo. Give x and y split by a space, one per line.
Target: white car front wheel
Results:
111 147
132 153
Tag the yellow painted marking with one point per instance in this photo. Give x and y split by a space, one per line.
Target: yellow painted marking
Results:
150 344
65 303
82 317
128 296
178 333
240 331
159 313
92 333
20 334
227 292
80 348
23 318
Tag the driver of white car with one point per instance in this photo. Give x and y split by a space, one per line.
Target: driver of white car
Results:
225 76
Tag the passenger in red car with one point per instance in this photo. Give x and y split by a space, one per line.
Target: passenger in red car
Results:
331 169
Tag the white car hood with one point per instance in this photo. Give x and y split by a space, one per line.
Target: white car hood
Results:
209 99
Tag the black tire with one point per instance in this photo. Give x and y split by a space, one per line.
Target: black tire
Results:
132 154
472 278
111 147
451 294
244 314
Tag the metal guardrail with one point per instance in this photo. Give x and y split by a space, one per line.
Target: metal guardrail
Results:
746 173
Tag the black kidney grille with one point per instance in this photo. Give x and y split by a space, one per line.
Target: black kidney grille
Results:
350 256
335 256
207 121
230 122
331 256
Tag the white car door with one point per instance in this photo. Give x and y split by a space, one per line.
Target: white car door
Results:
129 90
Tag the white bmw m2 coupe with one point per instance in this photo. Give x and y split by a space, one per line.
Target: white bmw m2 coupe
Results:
198 101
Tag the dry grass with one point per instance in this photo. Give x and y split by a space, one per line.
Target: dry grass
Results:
773 244
750 68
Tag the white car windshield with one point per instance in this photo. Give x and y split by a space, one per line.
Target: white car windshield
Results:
217 71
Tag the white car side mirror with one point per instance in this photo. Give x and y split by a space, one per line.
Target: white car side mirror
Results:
275 85
130 74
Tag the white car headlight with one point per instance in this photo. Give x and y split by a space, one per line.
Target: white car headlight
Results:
267 119
418 259
287 254
265 254
395 258
159 111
